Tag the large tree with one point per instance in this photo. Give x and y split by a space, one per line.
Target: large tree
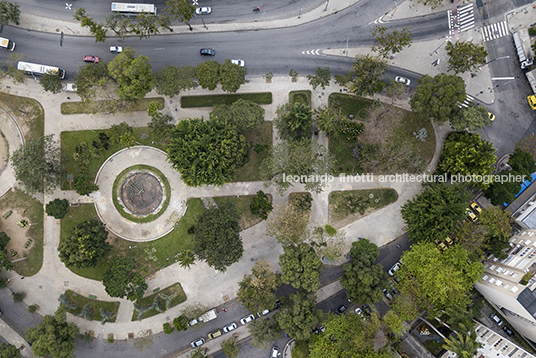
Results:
471 118
366 75
363 280
257 291
122 279
51 82
37 164
57 208
441 279
468 154
180 10
465 56
298 318
294 122
5 261
207 152
437 97
246 115
289 225
522 162
328 119
54 336
435 212
321 78
390 43
85 246
301 267
231 76
92 79
497 226
503 190
292 162
9 13
264 331
9 351
171 80
463 344
133 74
217 236
208 74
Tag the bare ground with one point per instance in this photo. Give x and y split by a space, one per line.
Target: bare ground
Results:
17 234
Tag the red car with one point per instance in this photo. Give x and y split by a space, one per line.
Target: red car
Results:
91 59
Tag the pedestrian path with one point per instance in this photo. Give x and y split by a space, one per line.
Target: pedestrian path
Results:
494 31
461 19
468 101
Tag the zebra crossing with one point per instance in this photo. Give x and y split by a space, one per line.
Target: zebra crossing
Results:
494 31
462 18
468 100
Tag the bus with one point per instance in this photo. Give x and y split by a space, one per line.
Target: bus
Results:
7 44
134 9
38 70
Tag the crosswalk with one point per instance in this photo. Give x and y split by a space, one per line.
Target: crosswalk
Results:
467 102
462 19
494 31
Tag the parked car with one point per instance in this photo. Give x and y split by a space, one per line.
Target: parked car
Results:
341 309
491 116
470 214
477 209
449 241
367 310
441 245
393 288
214 334
508 331
91 59
263 313
277 304
316 331
359 312
207 52
116 49
403 80
197 342
247 319
396 278
193 322
275 352
387 294
393 269
496 319
240 63
229 327
322 329
203 10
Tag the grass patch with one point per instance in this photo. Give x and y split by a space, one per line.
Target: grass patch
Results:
350 202
80 301
166 247
109 106
117 188
70 140
262 138
28 112
215 99
242 205
388 144
303 96
434 347
145 302
30 208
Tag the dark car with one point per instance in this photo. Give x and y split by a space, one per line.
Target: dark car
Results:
207 52
508 331
341 309
91 59
367 310
277 304
393 288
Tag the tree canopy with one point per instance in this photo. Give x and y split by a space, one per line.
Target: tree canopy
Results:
91 79
298 318
471 118
180 10
466 56
294 122
5 261
257 291
264 332
217 236
122 279
51 82
435 212
171 80
57 208
468 154
231 76
9 351
436 97
522 162
54 336
289 225
9 12
301 267
441 279
390 43
85 245
37 165
497 226
321 78
366 75
363 280
260 205
208 74
207 152
133 74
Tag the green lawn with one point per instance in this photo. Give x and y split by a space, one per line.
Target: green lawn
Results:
80 301
17 200
148 301
303 96
70 140
242 204
107 106
27 111
251 171
166 247
345 203
215 99
350 104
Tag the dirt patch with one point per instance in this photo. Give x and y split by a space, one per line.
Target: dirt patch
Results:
339 223
18 235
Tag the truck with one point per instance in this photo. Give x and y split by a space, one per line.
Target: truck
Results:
523 49
209 315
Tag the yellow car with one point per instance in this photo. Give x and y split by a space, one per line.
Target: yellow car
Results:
441 245
470 214
449 241
476 208
491 116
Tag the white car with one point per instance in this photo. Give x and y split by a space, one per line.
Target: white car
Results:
230 327
275 352
116 49
240 63
197 343
203 10
403 80
247 319
193 322
263 313
393 269
359 311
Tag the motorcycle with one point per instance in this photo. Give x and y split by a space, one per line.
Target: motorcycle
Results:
257 9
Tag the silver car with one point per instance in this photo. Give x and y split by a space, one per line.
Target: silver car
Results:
116 49
403 80
197 343
203 10
247 319
240 63
230 327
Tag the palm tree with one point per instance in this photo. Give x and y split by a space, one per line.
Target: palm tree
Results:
459 319
186 258
464 345
327 119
